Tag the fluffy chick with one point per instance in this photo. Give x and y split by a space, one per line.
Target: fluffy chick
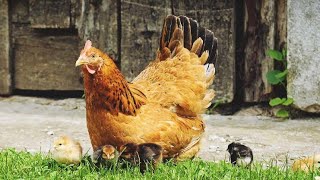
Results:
240 155
307 164
128 153
150 155
66 150
106 156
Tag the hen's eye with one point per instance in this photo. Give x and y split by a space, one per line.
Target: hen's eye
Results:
93 56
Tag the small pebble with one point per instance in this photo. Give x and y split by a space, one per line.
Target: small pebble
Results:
215 138
50 133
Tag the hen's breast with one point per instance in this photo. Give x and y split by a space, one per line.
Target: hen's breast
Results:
152 124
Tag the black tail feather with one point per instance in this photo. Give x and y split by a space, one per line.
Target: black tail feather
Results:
211 46
214 51
167 30
186 31
191 31
194 29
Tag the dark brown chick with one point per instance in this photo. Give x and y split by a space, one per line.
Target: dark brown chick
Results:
105 156
150 155
240 155
128 153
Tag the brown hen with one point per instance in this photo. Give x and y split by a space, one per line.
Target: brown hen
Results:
163 103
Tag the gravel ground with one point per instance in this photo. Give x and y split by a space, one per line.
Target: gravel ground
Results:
32 123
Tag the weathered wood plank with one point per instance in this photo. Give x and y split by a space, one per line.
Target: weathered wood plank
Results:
46 63
5 65
141 24
19 11
259 36
50 13
99 23
217 16
75 13
43 58
281 28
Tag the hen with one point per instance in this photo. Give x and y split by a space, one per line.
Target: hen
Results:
163 103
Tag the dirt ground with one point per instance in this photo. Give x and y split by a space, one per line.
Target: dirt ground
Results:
32 123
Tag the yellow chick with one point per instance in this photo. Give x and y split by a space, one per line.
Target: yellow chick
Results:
66 150
307 164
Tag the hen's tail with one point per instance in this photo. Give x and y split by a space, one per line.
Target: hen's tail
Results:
181 34
185 32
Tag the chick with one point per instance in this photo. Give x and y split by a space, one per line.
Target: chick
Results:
150 155
128 153
240 155
106 156
307 164
66 150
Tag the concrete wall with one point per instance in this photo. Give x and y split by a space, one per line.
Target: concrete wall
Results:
304 54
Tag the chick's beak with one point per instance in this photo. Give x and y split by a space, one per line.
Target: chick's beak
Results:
81 60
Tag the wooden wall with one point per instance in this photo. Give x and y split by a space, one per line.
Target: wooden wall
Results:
5 64
46 37
45 45
263 28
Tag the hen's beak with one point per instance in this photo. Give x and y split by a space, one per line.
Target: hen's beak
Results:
81 61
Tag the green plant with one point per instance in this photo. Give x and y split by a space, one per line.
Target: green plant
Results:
24 165
276 77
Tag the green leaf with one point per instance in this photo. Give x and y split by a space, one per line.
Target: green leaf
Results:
282 75
282 113
275 55
284 52
288 102
272 77
276 101
217 103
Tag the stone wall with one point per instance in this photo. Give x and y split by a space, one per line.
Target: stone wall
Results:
304 54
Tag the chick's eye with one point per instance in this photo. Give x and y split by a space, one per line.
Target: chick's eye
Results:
93 55
60 144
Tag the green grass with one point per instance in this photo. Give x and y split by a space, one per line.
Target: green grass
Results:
24 165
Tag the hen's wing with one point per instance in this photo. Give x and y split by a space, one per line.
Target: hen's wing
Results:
180 76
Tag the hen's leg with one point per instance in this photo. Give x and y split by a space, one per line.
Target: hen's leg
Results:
189 154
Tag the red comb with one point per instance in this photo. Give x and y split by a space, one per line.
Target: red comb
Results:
87 45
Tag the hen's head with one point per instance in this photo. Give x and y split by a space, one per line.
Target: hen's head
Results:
92 58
